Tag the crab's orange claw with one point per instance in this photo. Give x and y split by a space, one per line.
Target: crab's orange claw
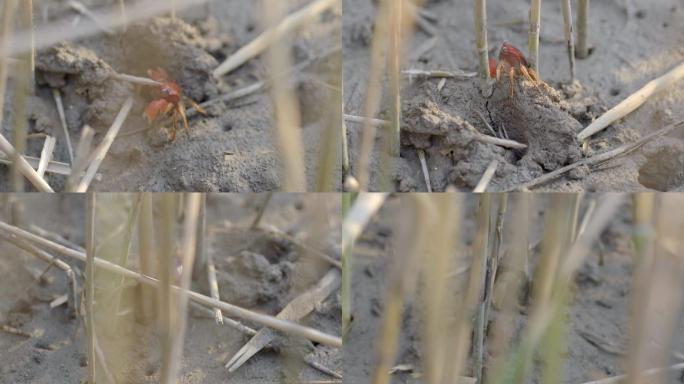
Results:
155 108
158 74
492 68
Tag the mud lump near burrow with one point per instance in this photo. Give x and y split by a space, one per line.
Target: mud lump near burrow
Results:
84 72
446 122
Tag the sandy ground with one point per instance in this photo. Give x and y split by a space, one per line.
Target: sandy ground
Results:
232 149
258 272
599 311
633 42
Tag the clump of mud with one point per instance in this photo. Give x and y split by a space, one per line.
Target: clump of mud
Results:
446 123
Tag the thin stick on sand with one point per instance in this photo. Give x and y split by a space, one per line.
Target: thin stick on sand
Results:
101 151
268 37
62 119
55 167
633 102
229 309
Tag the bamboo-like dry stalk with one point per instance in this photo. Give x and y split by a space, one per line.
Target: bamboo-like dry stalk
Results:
62 119
168 313
633 102
569 35
394 55
411 241
481 37
437 261
533 34
174 352
81 157
347 271
261 210
147 254
90 284
287 112
582 28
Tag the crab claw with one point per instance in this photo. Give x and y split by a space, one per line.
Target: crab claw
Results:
158 74
492 67
156 108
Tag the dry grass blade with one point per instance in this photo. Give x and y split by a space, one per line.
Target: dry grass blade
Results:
24 167
55 167
364 208
173 359
632 102
81 161
426 173
481 39
90 284
569 35
62 119
295 310
533 34
287 112
101 151
486 177
582 28
46 155
272 35
230 309
135 79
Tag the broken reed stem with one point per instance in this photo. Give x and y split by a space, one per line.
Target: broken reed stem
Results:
373 94
81 160
287 110
229 309
481 37
533 34
582 28
46 155
486 177
101 151
261 210
633 102
147 255
168 312
201 253
569 35
394 75
346 168
188 249
90 284
27 15
347 270
272 35
124 18
62 119
213 287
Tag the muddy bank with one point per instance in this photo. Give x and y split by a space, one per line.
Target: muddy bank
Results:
631 45
229 149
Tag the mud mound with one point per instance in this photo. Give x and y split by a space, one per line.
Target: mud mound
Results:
450 123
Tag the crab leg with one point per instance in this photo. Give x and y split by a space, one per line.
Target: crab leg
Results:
511 76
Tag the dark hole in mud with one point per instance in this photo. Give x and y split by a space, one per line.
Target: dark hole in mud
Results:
664 170
615 91
640 14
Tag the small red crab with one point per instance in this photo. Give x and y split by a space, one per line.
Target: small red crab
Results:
170 101
512 62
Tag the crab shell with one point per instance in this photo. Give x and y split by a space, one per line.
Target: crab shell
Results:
512 56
